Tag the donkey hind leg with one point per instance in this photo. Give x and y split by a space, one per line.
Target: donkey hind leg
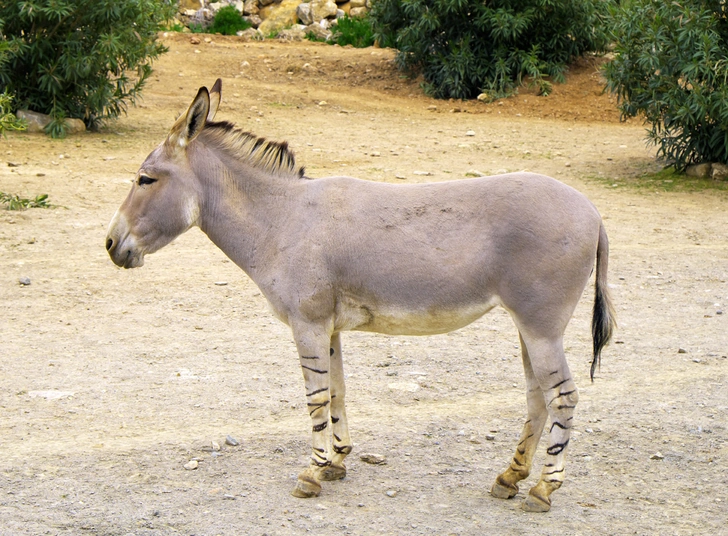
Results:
339 427
314 353
560 397
506 484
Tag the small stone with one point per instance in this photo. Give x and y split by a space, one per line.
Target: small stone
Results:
215 446
423 173
191 465
24 281
322 103
432 107
483 97
194 40
230 440
221 283
470 133
682 351
374 459
490 437
228 497
657 456
391 493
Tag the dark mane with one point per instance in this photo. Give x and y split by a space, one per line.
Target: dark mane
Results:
271 156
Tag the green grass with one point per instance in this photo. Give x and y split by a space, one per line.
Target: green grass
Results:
15 202
666 180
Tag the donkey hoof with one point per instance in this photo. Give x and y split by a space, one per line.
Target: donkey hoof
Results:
532 503
503 490
333 472
307 486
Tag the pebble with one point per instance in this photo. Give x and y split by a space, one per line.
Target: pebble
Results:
657 456
375 459
470 133
230 440
682 351
221 283
391 493
490 437
24 281
215 446
423 173
191 465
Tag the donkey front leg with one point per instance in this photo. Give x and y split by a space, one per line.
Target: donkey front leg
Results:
339 427
313 350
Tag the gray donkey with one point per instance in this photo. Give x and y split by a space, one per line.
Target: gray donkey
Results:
338 253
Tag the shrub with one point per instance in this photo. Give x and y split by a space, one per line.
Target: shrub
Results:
465 47
354 31
79 58
8 121
228 21
672 66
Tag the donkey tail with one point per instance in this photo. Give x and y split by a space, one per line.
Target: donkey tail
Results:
603 318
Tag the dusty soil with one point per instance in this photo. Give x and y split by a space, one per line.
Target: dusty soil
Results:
111 380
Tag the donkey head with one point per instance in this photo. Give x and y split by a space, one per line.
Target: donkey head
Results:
164 199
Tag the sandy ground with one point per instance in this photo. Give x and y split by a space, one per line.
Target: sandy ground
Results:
111 381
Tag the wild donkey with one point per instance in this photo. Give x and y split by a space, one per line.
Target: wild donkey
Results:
338 253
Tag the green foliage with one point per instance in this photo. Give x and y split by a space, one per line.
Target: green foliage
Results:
79 58
672 66
228 21
8 121
465 47
15 202
354 31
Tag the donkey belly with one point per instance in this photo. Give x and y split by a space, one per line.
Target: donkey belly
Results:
353 314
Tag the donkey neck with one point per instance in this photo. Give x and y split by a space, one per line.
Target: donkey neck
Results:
242 206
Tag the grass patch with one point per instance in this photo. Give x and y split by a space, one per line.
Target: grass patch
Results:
666 180
15 202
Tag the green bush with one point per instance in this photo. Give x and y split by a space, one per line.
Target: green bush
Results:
672 66
228 21
8 121
465 47
79 58
354 31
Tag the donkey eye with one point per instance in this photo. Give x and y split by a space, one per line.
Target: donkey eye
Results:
144 180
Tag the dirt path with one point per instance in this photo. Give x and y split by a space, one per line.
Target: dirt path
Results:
111 380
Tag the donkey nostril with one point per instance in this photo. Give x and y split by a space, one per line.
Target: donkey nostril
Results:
109 244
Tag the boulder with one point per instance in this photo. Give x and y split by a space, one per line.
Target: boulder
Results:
251 34
357 3
318 31
38 121
250 7
303 12
719 172
296 33
322 9
194 5
254 20
700 171
357 12
280 17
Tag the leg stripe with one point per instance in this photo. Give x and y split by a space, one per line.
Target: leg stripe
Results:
319 427
317 391
556 423
334 420
317 371
317 407
309 357
558 448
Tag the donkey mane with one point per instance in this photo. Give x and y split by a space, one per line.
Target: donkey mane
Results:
271 156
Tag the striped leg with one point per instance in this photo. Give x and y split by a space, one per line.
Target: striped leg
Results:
313 351
506 484
561 399
339 426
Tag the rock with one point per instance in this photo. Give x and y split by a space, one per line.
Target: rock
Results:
374 459
700 171
264 3
24 281
279 17
303 12
357 12
295 33
483 97
657 456
215 446
490 437
318 31
250 7
322 9
256 21
194 40
682 351
251 34
191 465
470 133
230 440
184 5
719 172
38 121
391 493
357 3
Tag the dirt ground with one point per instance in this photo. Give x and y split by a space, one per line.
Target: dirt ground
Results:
111 380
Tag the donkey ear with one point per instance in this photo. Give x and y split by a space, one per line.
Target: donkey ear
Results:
189 125
215 97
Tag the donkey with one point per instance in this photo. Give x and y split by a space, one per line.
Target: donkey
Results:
338 253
